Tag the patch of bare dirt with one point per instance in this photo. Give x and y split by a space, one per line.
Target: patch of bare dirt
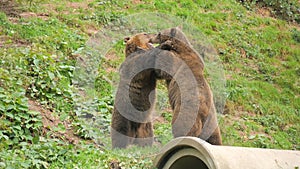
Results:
6 41
50 122
43 16
90 30
9 7
243 53
12 10
70 7
265 12
50 7
78 5
137 1
110 57
229 107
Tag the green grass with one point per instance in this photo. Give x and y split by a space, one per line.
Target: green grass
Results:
39 59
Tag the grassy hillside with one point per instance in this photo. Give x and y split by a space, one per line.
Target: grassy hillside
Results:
41 99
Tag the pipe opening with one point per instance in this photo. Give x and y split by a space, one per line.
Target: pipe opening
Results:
187 157
190 162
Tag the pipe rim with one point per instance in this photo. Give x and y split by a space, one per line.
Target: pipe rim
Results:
185 153
178 144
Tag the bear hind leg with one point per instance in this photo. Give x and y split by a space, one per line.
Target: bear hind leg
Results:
215 138
120 140
144 135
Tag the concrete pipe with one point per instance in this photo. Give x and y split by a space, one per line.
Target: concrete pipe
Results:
194 153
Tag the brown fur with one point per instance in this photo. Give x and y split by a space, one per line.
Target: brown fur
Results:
137 42
182 91
131 120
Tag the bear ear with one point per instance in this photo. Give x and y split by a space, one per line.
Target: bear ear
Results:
126 39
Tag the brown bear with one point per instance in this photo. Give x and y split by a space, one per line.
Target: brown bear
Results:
189 93
135 97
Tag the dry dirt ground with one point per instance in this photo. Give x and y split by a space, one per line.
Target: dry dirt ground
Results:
9 7
49 119
50 122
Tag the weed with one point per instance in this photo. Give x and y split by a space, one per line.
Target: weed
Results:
288 10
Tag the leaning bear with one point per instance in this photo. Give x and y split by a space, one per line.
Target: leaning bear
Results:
190 96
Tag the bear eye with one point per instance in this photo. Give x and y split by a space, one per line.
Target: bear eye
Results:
145 34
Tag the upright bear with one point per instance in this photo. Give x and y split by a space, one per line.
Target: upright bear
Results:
132 109
135 97
189 93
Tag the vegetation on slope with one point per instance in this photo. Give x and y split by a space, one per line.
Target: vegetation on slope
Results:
40 105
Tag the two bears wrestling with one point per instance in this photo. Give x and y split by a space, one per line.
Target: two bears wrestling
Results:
175 61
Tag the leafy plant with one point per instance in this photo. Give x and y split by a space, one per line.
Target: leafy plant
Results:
285 9
296 35
17 124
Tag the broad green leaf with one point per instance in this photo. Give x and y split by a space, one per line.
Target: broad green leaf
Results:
24 115
22 108
2 165
43 85
35 140
3 136
7 100
28 137
17 118
29 125
11 107
38 124
23 144
17 127
34 119
9 114
25 164
36 62
51 75
35 113
103 110
2 107
251 137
